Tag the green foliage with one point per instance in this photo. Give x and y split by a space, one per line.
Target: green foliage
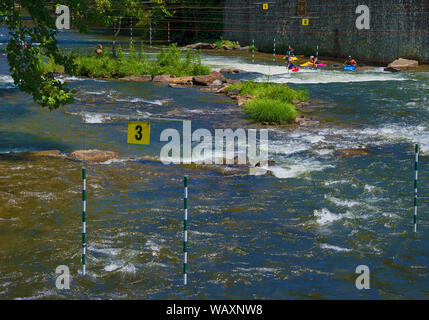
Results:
252 47
268 90
36 77
270 110
169 61
272 102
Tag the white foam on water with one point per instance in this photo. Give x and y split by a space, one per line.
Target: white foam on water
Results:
158 102
298 168
279 74
335 248
6 79
324 216
342 202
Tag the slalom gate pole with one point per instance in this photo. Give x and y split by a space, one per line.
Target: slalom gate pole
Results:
150 35
253 50
168 31
274 50
185 232
416 177
83 221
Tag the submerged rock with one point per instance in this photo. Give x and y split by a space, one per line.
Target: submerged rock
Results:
93 155
391 69
353 152
403 64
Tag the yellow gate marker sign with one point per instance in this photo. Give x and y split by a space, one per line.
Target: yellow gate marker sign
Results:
265 6
138 132
305 22
159 1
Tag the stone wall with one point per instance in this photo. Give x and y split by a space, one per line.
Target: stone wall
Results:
399 28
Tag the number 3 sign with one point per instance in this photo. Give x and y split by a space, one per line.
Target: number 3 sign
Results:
138 132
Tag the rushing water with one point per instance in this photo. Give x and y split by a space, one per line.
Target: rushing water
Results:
298 234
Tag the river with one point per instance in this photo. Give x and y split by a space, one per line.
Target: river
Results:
299 234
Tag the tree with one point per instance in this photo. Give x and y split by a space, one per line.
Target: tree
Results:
24 58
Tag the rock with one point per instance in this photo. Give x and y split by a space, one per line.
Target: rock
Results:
202 80
200 45
243 99
232 70
226 47
181 81
217 75
93 155
353 152
45 153
391 69
403 64
143 78
233 93
306 121
270 173
207 80
246 48
216 83
164 78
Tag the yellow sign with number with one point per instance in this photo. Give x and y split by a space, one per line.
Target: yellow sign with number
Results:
265 6
138 132
305 22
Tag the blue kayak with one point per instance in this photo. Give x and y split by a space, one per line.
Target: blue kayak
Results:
349 68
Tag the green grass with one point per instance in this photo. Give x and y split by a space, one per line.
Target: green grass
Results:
272 102
270 110
169 61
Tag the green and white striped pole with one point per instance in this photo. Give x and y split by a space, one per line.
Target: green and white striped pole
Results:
185 230
83 220
416 177
274 50
253 50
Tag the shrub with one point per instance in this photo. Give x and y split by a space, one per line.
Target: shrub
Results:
270 110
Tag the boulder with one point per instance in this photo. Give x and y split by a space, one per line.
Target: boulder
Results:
216 83
143 78
202 80
243 48
391 69
403 64
93 155
200 45
164 78
207 80
216 75
221 90
181 81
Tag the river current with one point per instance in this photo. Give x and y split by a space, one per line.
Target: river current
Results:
300 233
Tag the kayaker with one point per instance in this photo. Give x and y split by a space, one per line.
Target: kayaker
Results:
350 62
313 61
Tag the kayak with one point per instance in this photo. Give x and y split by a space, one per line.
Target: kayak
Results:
309 64
296 69
292 58
349 68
